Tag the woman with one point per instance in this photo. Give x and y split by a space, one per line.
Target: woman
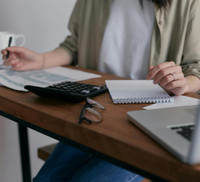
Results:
155 39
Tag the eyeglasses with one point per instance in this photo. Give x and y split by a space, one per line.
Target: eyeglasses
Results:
89 114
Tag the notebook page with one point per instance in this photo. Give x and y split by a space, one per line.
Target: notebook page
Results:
136 91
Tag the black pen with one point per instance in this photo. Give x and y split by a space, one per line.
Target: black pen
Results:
9 44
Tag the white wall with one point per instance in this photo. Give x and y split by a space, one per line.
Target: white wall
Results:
44 24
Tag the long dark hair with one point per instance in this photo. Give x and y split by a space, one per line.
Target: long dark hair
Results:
159 3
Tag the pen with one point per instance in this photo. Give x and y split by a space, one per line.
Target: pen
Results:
9 44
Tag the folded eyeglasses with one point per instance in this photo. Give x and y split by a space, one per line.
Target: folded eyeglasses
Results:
89 112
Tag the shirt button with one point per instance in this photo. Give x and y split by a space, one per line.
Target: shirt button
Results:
160 22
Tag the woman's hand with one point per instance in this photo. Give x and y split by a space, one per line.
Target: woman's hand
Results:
21 59
169 76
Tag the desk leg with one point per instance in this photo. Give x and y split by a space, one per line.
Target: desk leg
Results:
24 152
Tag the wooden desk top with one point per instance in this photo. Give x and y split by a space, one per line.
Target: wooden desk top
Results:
115 136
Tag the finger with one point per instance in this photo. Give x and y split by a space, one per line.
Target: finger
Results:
15 49
6 63
160 67
179 90
4 57
10 61
151 67
176 84
18 66
14 61
4 52
167 71
11 58
170 78
21 66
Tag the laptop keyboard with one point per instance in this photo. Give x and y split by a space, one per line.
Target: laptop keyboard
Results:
185 131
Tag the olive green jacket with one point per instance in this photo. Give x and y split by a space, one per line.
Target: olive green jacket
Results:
175 37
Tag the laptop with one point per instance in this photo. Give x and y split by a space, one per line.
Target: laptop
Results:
176 129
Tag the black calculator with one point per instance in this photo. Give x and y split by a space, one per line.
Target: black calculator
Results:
69 91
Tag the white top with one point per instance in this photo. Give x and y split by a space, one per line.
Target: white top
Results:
126 43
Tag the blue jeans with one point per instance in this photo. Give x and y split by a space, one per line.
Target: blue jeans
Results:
67 163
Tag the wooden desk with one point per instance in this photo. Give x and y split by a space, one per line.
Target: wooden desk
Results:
115 139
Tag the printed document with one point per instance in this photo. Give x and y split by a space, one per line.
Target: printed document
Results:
17 80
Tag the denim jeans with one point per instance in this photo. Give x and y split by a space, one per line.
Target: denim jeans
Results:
69 164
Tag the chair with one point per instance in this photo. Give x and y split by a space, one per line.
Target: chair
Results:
44 152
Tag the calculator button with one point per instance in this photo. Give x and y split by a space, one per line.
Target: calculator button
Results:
85 91
96 88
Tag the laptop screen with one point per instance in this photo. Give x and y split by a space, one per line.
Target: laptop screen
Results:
194 152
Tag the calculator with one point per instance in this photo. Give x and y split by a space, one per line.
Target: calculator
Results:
69 91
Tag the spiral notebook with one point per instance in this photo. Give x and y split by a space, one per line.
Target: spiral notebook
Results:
136 91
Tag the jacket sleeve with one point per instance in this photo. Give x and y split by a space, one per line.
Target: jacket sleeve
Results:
191 53
70 44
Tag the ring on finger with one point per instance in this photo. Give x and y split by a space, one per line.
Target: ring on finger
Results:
173 76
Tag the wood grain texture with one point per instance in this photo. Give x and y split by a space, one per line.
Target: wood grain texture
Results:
115 136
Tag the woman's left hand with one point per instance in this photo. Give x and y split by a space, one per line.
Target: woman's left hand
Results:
169 76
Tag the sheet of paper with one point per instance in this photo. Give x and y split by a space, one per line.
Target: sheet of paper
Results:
17 80
178 101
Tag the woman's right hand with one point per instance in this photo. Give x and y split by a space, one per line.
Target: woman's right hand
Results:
21 59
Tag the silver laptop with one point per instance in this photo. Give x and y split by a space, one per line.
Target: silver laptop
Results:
177 129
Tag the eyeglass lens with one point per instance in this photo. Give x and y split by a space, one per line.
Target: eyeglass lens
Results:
92 115
95 104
